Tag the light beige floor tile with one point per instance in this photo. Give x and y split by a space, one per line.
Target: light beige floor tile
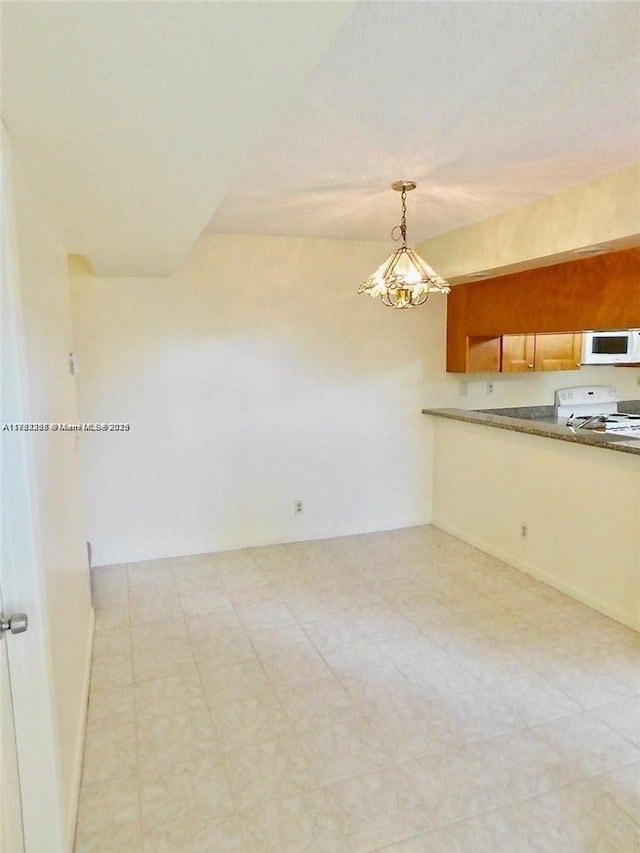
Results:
404 646
110 597
437 841
269 770
249 721
199 601
226 684
345 749
154 635
194 572
379 691
172 695
587 743
455 784
109 817
236 577
217 835
225 649
305 822
107 643
109 753
157 580
112 574
622 786
165 741
265 612
439 678
318 705
210 626
491 664
378 808
191 561
533 698
151 567
113 706
192 579
194 791
414 730
623 717
475 716
174 658
111 671
303 665
563 820
523 763
590 683
239 559
278 639
151 606
407 651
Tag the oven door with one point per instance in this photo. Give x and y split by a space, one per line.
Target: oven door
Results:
611 347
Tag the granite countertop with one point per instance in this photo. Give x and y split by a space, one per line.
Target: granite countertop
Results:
540 420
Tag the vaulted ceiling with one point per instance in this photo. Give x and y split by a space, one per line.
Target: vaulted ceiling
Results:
142 122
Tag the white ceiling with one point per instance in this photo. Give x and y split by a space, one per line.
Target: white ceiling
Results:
140 121
133 118
487 105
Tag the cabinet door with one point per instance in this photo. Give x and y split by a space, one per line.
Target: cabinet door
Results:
518 353
558 351
483 355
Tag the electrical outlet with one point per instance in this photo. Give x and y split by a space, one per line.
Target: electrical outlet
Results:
489 388
463 389
297 506
524 531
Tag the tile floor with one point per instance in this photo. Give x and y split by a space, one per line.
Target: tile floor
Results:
399 691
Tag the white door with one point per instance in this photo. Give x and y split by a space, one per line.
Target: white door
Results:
11 837
27 681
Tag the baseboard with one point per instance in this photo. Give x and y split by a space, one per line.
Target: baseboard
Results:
77 771
283 538
581 595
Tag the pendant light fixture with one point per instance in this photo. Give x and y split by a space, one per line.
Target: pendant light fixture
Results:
404 280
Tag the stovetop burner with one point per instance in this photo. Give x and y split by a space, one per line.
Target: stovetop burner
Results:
594 407
620 423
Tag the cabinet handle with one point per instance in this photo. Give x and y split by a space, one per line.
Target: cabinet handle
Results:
530 366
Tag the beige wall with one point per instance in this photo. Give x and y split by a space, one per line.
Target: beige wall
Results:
254 377
42 287
601 211
581 506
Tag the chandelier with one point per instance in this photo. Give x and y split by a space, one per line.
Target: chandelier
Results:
404 280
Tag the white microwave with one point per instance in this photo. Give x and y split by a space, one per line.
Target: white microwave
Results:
622 347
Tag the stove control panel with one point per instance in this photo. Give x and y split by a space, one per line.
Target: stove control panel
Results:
586 400
587 394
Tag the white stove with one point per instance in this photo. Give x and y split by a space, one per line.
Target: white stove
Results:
594 407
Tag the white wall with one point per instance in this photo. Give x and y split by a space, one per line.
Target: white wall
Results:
581 506
41 284
253 377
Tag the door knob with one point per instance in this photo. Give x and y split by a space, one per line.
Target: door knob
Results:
17 623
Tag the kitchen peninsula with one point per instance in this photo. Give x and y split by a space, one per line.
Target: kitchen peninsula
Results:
545 499
540 420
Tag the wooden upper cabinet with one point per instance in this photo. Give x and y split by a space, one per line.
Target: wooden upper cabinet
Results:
558 352
523 353
601 292
518 353
483 355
